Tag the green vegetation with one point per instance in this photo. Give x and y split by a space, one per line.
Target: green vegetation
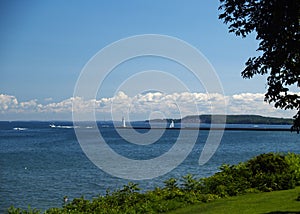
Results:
239 119
230 119
271 202
264 173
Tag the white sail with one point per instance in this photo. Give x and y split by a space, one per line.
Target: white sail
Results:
171 124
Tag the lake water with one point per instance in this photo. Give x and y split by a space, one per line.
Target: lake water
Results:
42 164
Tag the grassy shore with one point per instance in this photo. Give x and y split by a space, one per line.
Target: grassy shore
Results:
284 201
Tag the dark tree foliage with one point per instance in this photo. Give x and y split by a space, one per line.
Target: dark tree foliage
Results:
276 23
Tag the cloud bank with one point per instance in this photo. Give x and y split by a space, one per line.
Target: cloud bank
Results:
141 106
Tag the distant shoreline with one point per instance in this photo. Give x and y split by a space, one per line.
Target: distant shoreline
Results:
230 119
209 128
203 119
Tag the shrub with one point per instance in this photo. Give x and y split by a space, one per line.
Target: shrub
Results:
189 183
230 181
265 172
13 210
171 184
270 172
293 160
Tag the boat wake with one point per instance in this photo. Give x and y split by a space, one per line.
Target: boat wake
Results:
63 127
19 128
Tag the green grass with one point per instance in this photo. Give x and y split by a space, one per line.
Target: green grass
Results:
272 202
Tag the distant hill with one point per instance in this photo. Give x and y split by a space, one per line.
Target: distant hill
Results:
231 119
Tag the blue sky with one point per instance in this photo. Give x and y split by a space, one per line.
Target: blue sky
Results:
45 44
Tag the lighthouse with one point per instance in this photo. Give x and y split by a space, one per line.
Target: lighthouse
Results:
123 122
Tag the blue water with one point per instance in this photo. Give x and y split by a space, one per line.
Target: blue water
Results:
40 165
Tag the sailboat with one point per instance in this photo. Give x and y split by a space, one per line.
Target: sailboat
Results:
172 124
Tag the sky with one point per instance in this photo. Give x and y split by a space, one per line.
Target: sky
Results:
45 45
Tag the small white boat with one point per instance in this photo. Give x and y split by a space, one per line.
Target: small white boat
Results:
172 124
19 129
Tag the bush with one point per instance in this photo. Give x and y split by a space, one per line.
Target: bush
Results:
271 172
13 210
293 160
189 183
265 172
230 181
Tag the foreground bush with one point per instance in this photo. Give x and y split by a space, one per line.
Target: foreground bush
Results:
271 172
266 172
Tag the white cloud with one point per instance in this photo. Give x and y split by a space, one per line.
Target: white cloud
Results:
7 102
169 105
249 97
31 104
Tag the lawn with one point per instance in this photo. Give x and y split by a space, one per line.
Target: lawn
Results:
272 202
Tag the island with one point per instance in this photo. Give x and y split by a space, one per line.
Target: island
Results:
230 119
